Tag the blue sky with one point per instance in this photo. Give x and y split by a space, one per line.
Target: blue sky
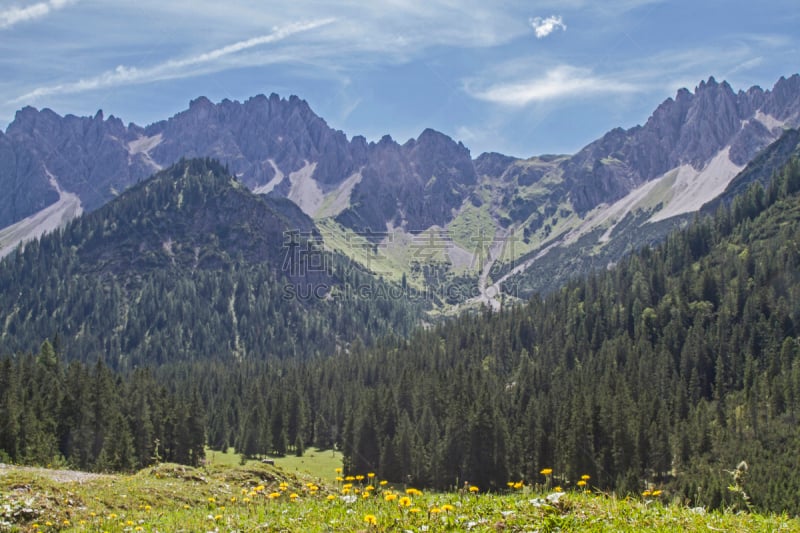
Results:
517 77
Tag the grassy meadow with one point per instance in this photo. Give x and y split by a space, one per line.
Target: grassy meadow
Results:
224 496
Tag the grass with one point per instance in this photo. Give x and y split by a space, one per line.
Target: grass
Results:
257 497
321 464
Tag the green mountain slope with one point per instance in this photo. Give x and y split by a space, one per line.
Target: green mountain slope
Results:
190 265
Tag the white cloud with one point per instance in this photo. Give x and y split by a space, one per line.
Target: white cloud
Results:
171 69
561 82
14 15
546 26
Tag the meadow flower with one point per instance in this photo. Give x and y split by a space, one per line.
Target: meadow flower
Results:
656 493
405 501
293 496
390 497
435 510
370 475
473 488
558 489
273 495
383 483
581 483
546 471
415 510
586 477
371 519
447 508
331 497
339 470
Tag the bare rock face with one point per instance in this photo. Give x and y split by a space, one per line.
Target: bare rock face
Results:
689 129
418 184
97 158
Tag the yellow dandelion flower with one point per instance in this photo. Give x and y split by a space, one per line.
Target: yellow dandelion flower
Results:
581 483
369 487
349 478
510 484
371 519
646 493
331 497
405 501
435 510
147 507
473 488
370 475
186 506
518 485
447 508
34 526
48 523
390 497
339 470
138 528
129 523
246 499
293 496
273 495
339 479
217 517
112 516
656 493
65 522
383 483
365 494
546 471
558 488
415 510
586 477
233 499
92 514
359 477
211 500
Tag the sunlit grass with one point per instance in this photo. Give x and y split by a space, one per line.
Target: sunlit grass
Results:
264 498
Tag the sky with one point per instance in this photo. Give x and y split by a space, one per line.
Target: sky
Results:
522 78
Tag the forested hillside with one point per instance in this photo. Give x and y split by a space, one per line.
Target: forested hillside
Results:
191 265
666 371
670 370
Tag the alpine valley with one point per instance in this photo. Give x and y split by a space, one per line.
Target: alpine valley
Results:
423 211
242 275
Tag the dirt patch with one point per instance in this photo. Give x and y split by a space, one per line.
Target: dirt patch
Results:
60 476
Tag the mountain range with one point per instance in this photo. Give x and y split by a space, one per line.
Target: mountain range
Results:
490 219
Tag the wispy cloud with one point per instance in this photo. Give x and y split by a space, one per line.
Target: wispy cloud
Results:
14 15
171 69
545 26
561 82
